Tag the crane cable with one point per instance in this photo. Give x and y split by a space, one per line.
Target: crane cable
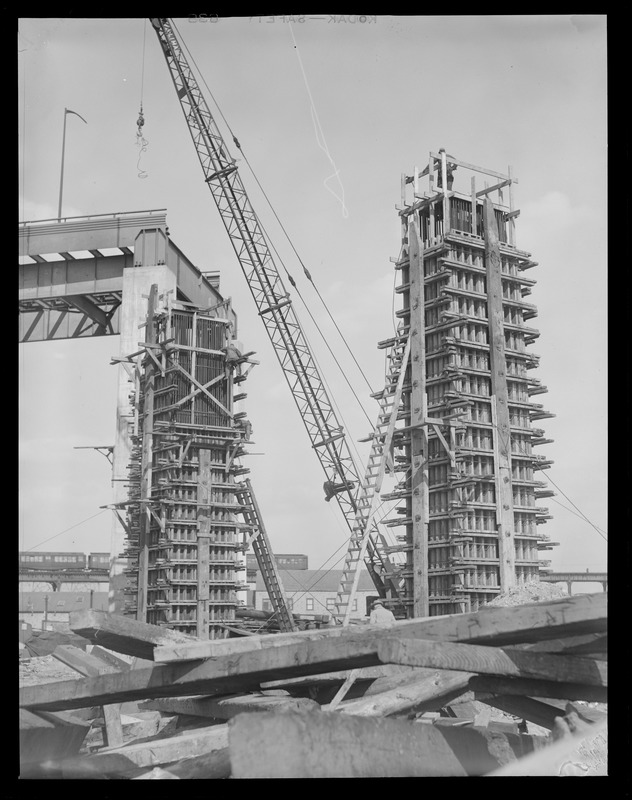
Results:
141 142
305 270
322 335
581 514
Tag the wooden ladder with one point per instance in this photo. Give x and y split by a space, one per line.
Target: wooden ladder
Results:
265 558
379 457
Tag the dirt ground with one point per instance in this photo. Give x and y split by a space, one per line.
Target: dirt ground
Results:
43 669
531 592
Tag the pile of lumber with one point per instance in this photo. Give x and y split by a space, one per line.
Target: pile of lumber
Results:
411 698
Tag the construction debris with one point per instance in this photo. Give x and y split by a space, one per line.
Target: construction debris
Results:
441 696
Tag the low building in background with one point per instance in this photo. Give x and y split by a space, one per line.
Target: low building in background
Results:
51 610
313 591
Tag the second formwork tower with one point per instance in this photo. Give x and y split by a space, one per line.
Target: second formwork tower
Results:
467 526
184 533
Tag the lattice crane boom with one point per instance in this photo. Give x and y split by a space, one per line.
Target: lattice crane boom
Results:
264 280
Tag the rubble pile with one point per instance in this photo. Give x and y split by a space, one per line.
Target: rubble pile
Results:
513 689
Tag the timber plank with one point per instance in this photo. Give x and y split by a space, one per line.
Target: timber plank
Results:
110 658
44 736
494 661
439 687
90 666
84 663
534 622
228 707
125 761
123 634
570 755
331 745
484 685
385 671
543 714
590 645
209 765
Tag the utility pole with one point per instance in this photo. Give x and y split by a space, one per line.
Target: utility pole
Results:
63 150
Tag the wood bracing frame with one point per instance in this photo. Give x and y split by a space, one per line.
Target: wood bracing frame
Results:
184 538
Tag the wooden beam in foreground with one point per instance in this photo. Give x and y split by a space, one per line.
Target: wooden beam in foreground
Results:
148 754
44 736
534 622
397 672
440 687
330 745
594 645
210 765
543 714
494 661
124 634
526 687
228 707
581 755
90 666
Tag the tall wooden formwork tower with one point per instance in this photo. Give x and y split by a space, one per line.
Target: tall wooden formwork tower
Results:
184 538
467 524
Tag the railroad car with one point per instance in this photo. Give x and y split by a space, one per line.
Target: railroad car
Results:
56 561
291 561
99 561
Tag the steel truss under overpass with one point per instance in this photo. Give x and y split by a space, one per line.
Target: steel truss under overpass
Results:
71 272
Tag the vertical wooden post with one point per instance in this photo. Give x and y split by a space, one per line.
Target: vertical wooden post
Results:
511 227
419 433
446 199
431 208
146 462
203 542
193 364
500 401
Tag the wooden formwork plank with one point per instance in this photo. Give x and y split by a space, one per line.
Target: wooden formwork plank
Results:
592 644
543 714
383 672
499 401
124 634
331 745
85 664
110 658
494 661
491 685
117 761
228 707
419 502
572 756
44 736
439 687
215 764
91 666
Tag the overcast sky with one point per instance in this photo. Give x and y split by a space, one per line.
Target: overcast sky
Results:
328 125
